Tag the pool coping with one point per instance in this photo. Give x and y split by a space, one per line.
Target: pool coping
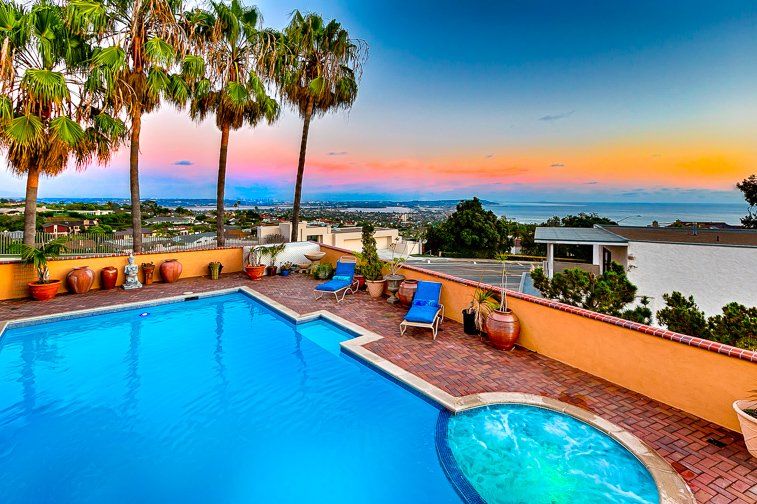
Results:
671 486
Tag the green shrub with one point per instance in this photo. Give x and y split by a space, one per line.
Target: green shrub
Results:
682 315
736 326
607 293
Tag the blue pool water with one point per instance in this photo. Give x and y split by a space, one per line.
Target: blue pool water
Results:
524 454
215 400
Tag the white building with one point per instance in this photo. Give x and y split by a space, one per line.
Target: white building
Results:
716 266
349 238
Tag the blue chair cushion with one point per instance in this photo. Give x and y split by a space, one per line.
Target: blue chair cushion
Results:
422 312
335 284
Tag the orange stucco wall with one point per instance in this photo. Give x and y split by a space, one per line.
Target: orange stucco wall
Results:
695 380
15 276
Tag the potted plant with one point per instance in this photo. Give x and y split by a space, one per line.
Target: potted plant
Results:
394 279
255 267
359 277
38 255
215 268
372 266
273 252
483 302
502 325
286 268
746 411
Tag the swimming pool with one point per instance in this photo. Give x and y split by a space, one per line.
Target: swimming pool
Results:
517 453
219 399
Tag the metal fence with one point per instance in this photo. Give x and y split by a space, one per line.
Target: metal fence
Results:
82 244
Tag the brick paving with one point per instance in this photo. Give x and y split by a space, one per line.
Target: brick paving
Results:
461 364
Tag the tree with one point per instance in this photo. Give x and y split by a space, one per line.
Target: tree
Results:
736 326
317 67
470 231
141 42
234 47
607 293
51 113
748 187
370 264
682 315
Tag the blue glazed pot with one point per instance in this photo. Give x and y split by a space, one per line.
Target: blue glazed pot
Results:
284 273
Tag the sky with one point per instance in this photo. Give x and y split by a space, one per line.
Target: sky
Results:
521 100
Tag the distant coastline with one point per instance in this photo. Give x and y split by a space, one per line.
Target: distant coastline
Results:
638 214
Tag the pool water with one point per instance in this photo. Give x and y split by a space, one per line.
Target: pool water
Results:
215 400
525 454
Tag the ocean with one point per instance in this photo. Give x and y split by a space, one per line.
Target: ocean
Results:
635 214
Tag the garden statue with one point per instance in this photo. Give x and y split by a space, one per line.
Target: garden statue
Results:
131 270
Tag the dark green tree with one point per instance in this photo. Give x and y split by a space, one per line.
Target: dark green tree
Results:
682 315
736 326
607 293
470 231
748 187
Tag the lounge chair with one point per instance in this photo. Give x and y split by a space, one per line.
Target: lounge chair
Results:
426 310
341 283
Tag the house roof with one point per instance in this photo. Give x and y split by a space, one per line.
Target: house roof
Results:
577 236
691 235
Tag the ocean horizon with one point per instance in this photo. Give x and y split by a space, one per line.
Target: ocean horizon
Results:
634 214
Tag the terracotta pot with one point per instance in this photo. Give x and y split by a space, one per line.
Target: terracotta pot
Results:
407 291
748 424
271 270
375 288
79 280
503 329
45 291
360 281
108 277
255 272
148 269
170 270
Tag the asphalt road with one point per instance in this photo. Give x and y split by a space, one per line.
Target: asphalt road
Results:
476 270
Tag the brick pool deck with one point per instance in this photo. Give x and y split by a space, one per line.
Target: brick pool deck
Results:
461 364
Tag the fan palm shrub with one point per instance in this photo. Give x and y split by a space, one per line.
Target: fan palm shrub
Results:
142 41
229 37
51 113
317 68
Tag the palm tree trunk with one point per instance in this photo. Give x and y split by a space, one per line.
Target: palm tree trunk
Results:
30 205
221 187
300 173
136 210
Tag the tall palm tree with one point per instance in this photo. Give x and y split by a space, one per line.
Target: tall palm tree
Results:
317 69
142 40
230 38
50 112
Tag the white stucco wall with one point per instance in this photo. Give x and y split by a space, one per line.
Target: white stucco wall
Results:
714 275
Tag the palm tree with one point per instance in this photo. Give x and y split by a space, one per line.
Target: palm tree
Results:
317 69
233 45
50 113
142 40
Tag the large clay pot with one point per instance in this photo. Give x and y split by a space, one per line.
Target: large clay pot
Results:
79 280
407 291
170 270
148 270
45 291
748 424
375 288
108 277
503 329
255 272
